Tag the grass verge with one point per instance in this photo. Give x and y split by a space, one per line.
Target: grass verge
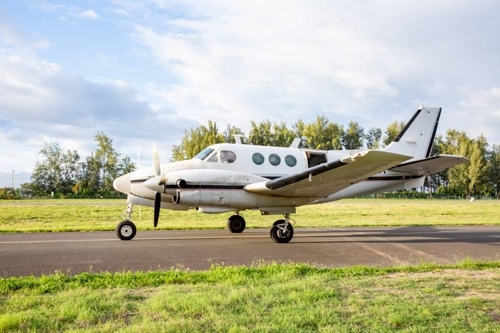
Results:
263 298
94 215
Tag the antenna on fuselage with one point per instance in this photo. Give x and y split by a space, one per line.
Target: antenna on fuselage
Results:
237 138
295 143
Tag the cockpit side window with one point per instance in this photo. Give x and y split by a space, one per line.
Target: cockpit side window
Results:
227 156
214 158
204 153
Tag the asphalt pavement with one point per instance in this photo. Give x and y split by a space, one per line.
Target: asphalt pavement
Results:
76 252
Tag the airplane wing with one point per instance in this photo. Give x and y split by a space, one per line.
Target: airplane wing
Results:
328 178
430 165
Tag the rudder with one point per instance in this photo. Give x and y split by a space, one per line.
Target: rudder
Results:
417 137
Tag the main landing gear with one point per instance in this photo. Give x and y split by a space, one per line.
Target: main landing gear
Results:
236 224
281 231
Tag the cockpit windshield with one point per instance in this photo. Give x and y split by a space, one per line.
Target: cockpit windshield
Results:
204 153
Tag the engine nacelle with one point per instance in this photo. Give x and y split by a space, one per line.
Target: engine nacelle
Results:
206 187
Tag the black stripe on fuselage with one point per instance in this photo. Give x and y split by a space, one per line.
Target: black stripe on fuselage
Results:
283 181
206 187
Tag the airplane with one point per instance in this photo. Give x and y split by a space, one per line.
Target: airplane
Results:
234 177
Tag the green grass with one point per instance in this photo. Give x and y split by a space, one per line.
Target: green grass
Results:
87 215
263 298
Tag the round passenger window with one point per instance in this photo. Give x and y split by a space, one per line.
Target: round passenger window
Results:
258 158
290 160
274 159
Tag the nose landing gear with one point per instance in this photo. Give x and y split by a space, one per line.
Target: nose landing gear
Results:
126 230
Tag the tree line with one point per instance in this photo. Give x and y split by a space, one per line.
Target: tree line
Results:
62 173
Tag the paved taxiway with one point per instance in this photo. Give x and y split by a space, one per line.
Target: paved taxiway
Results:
44 253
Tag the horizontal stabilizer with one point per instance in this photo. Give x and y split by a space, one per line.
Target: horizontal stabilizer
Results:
430 165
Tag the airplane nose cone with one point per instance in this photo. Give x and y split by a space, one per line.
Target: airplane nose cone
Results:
122 184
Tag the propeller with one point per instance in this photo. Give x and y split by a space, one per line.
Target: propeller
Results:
157 208
157 171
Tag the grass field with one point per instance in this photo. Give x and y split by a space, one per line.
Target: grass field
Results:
86 215
264 298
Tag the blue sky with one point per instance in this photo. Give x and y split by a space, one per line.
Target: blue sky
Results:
144 71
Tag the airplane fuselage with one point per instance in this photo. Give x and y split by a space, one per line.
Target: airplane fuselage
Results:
214 181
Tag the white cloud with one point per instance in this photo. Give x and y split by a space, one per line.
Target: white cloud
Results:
89 14
283 60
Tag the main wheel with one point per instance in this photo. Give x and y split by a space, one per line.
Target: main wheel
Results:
236 224
126 230
278 234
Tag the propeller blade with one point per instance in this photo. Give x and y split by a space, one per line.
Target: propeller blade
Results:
157 208
156 162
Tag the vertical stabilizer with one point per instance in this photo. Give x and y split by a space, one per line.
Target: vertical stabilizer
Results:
417 137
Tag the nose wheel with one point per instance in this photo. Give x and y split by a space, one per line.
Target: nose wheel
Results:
126 230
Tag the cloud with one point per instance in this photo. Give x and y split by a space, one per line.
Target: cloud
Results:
89 14
479 112
41 102
281 60
65 11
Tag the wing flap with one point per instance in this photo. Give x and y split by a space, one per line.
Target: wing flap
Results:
430 165
328 178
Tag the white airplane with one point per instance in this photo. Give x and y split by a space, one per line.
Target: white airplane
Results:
275 180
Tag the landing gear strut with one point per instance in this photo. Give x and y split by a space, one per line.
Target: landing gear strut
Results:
236 224
282 230
126 230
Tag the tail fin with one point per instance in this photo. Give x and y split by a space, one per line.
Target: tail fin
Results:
417 137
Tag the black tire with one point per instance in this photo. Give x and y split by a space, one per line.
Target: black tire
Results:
277 233
126 230
236 224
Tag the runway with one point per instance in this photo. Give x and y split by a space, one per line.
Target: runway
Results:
45 253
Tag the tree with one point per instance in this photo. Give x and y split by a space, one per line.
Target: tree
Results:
373 138
493 158
90 177
468 178
266 133
195 140
107 157
230 132
392 131
56 172
321 134
353 136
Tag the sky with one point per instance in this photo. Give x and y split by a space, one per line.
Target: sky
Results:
144 71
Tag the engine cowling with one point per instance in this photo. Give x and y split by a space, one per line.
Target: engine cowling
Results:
206 187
